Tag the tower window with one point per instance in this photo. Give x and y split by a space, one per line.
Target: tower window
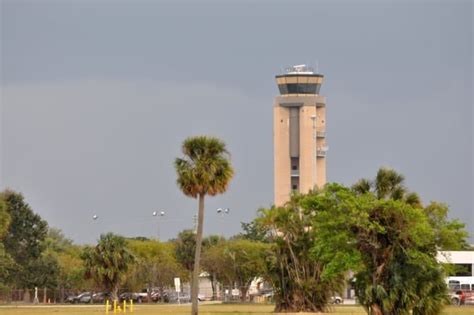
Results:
295 163
294 187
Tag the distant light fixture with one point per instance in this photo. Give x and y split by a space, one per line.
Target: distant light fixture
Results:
221 210
155 213
95 217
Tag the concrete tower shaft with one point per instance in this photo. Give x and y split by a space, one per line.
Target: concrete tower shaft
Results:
299 133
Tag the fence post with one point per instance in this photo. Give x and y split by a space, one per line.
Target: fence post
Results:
36 301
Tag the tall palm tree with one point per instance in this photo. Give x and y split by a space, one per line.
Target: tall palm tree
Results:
204 170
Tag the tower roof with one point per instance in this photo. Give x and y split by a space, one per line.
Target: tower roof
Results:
299 79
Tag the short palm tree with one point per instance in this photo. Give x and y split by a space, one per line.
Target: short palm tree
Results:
204 170
108 262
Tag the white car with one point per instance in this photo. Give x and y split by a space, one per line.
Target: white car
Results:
455 298
336 299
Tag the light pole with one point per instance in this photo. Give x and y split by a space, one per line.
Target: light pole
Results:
158 215
222 212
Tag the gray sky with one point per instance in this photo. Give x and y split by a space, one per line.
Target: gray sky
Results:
97 96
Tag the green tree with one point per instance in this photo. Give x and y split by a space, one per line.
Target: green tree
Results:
108 262
397 239
185 249
208 243
42 272
24 243
398 250
254 232
449 234
214 262
70 266
245 260
302 267
27 231
204 170
56 241
7 268
72 270
155 266
7 265
5 218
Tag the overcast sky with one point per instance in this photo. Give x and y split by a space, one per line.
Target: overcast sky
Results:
97 97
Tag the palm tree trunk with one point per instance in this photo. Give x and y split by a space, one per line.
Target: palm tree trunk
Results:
197 257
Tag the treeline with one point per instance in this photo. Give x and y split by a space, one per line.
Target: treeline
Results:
32 254
376 236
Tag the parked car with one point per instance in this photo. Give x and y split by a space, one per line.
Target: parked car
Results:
336 299
455 298
465 296
101 297
143 296
85 297
156 297
127 296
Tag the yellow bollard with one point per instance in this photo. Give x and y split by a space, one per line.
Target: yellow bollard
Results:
106 306
131 305
115 306
124 306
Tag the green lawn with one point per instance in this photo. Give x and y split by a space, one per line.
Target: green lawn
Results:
216 309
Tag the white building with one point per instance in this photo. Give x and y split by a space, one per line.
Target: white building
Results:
464 262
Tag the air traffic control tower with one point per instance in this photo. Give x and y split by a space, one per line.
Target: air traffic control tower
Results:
299 133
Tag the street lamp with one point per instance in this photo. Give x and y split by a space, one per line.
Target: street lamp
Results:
223 211
158 214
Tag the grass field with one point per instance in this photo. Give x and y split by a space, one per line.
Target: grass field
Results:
215 309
